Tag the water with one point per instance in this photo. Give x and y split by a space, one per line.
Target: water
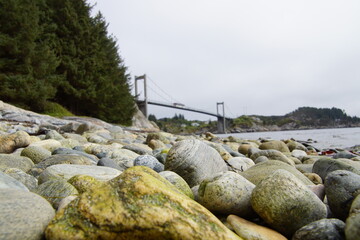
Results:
322 138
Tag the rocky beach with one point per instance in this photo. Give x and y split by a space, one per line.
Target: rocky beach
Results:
82 178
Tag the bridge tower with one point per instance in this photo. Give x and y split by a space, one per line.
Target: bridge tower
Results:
221 123
142 104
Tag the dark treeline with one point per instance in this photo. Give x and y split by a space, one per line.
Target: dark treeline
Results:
55 51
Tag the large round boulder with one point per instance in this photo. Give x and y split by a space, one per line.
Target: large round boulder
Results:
324 166
276 145
139 204
286 203
341 188
24 215
194 161
227 193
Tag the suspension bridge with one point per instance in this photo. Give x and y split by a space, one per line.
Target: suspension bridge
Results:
145 101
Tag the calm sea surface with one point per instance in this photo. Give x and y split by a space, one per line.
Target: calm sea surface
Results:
323 138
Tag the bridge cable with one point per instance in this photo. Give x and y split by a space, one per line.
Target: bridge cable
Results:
173 100
228 110
158 94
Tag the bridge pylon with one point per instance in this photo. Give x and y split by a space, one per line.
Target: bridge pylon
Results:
221 120
142 104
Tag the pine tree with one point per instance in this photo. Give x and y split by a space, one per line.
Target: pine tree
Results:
27 63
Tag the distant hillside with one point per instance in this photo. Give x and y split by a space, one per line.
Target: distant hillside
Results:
301 118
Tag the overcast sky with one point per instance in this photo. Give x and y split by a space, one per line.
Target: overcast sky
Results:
258 56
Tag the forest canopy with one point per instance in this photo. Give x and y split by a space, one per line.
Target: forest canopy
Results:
55 51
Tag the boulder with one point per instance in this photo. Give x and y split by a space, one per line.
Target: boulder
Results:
293 145
252 231
52 134
29 181
24 215
341 188
64 159
139 204
276 145
324 229
194 161
8 143
55 190
324 166
35 153
352 228
150 162
258 172
15 161
108 162
49 144
178 182
139 148
8 182
286 203
226 193
67 171
272 155
76 152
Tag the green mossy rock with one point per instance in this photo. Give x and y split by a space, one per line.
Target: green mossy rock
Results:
257 173
138 204
276 145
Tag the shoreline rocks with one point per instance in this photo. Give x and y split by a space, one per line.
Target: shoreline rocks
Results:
98 178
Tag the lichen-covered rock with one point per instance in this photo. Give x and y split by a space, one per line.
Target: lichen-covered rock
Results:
324 229
341 188
194 161
8 182
272 154
352 228
15 161
252 231
226 193
8 143
52 134
24 215
67 171
139 204
285 203
55 190
76 152
178 182
29 181
221 150
276 145
35 153
258 172
293 145
150 162
324 166
83 182
161 136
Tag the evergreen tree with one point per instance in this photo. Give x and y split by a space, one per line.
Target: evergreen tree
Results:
27 63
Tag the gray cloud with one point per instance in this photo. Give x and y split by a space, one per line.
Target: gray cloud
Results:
259 57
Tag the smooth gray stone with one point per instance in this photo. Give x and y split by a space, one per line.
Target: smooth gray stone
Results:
232 152
15 161
324 229
67 171
194 161
24 215
64 159
29 181
52 134
272 154
72 151
149 161
341 188
140 149
55 190
108 162
324 166
8 182
344 154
